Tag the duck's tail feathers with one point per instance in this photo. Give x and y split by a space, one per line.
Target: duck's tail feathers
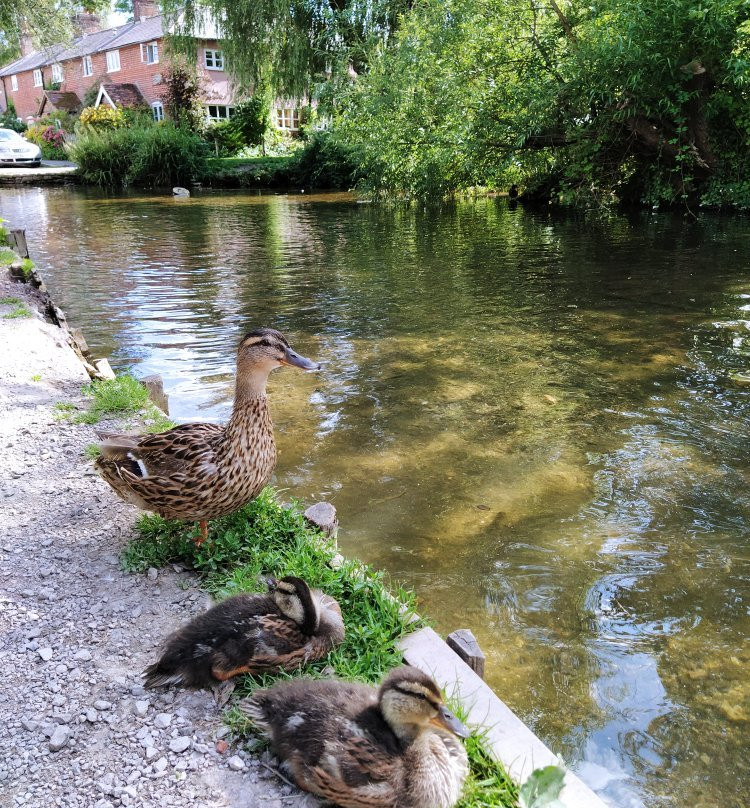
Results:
254 709
155 676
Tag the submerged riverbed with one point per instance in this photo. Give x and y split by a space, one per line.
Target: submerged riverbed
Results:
540 423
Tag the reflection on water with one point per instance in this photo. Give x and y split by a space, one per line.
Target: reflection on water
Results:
540 423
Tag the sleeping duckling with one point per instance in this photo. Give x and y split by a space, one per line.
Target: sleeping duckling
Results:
250 633
357 746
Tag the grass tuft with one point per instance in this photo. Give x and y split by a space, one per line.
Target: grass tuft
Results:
92 451
37 377
19 308
121 395
265 538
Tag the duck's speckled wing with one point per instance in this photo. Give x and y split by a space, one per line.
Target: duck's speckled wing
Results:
333 740
166 453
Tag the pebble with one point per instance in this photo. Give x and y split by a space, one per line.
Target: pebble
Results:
180 744
45 653
29 724
59 738
101 704
152 573
141 708
163 720
236 763
82 656
160 765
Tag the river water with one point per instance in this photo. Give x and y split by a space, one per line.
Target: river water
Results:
540 423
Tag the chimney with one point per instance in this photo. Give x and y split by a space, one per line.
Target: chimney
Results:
27 46
142 9
85 23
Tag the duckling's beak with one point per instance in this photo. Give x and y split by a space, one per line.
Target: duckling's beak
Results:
446 720
295 360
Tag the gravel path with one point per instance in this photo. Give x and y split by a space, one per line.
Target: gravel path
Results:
76 727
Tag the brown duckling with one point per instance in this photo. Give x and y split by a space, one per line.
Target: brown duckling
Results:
250 633
198 472
357 746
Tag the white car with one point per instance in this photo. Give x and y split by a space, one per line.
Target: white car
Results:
17 151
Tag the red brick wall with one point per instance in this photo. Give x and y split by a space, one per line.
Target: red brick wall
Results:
215 83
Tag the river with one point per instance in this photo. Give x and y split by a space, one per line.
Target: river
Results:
540 422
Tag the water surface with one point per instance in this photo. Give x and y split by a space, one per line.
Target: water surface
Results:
540 423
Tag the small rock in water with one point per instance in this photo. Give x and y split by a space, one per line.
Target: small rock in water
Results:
59 738
179 744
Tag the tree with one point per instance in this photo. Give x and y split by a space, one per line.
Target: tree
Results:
634 99
286 46
46 21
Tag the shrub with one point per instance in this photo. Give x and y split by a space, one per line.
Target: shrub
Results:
250 121
102 117
50 139
182 96
147 155
225 138
324 162
10 120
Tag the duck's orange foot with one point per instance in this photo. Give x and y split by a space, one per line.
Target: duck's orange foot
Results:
203 535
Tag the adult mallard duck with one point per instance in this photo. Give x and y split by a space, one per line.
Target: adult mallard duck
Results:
250 633
201 471
357 746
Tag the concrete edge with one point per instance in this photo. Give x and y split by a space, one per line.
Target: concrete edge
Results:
508 738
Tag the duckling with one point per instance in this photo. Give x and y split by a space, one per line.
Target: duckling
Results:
197 471
360 747
250 633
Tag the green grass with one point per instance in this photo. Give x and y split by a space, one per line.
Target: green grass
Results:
27 265
37 377
92 451
7 256
19 308
263 538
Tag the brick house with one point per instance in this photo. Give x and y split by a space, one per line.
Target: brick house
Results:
122 64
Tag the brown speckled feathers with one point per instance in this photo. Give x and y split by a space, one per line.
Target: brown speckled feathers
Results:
335 740
248 634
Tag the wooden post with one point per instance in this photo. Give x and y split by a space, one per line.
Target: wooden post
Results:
17 242
323 516
465 644
155 386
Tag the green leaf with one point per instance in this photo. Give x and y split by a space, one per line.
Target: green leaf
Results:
542 788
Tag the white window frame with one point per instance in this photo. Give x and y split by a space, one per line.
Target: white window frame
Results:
150 53
214 114
213 59
113 61
38 78
87 66
287 119
14 83
157 110
57 73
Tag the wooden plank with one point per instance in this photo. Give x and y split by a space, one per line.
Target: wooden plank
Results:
465 644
